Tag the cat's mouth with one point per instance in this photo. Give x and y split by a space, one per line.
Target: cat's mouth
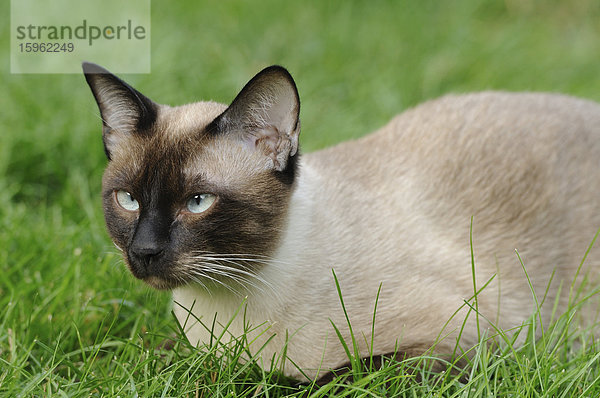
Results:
155 274
159 282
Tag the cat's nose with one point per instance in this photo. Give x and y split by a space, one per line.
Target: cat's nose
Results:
146 252
149 241
144 260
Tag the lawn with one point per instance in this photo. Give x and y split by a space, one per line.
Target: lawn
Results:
74 322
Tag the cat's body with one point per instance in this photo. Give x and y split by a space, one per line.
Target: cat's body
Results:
392 209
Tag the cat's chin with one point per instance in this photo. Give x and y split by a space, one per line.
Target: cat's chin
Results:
161 284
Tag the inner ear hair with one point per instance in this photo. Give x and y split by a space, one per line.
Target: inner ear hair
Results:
123 109
265 115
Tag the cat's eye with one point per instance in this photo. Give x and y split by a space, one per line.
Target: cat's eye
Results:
200 203
126 201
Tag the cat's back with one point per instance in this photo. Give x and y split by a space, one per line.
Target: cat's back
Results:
477 125
460 144
525 165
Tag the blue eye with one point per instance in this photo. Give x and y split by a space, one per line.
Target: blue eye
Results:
126 201
200 203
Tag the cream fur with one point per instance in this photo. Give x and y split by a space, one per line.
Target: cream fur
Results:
394 208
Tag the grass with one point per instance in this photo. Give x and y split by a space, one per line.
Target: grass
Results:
73 322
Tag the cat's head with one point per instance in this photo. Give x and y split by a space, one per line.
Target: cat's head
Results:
197 193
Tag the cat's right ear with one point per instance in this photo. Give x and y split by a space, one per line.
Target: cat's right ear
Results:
123 109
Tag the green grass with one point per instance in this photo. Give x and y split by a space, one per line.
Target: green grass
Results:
73 322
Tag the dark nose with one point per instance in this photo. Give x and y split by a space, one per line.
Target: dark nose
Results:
144 260
144 257
149 242
146 252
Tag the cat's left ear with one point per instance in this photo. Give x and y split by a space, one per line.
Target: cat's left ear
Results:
265 115
123 109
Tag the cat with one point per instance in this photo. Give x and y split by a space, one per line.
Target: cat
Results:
215 203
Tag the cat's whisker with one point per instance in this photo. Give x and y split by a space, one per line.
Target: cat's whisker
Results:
195 271
199 281
234 273
201 278
239 273
248 256
245 256
239 268
195 278
239 260
215 270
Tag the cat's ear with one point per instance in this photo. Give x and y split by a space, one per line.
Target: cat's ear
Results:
123 109
265 116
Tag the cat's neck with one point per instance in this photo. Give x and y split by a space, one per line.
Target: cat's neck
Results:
296 246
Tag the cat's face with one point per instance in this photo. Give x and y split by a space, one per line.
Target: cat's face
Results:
197 193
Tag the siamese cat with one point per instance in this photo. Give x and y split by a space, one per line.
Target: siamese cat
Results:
215 203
